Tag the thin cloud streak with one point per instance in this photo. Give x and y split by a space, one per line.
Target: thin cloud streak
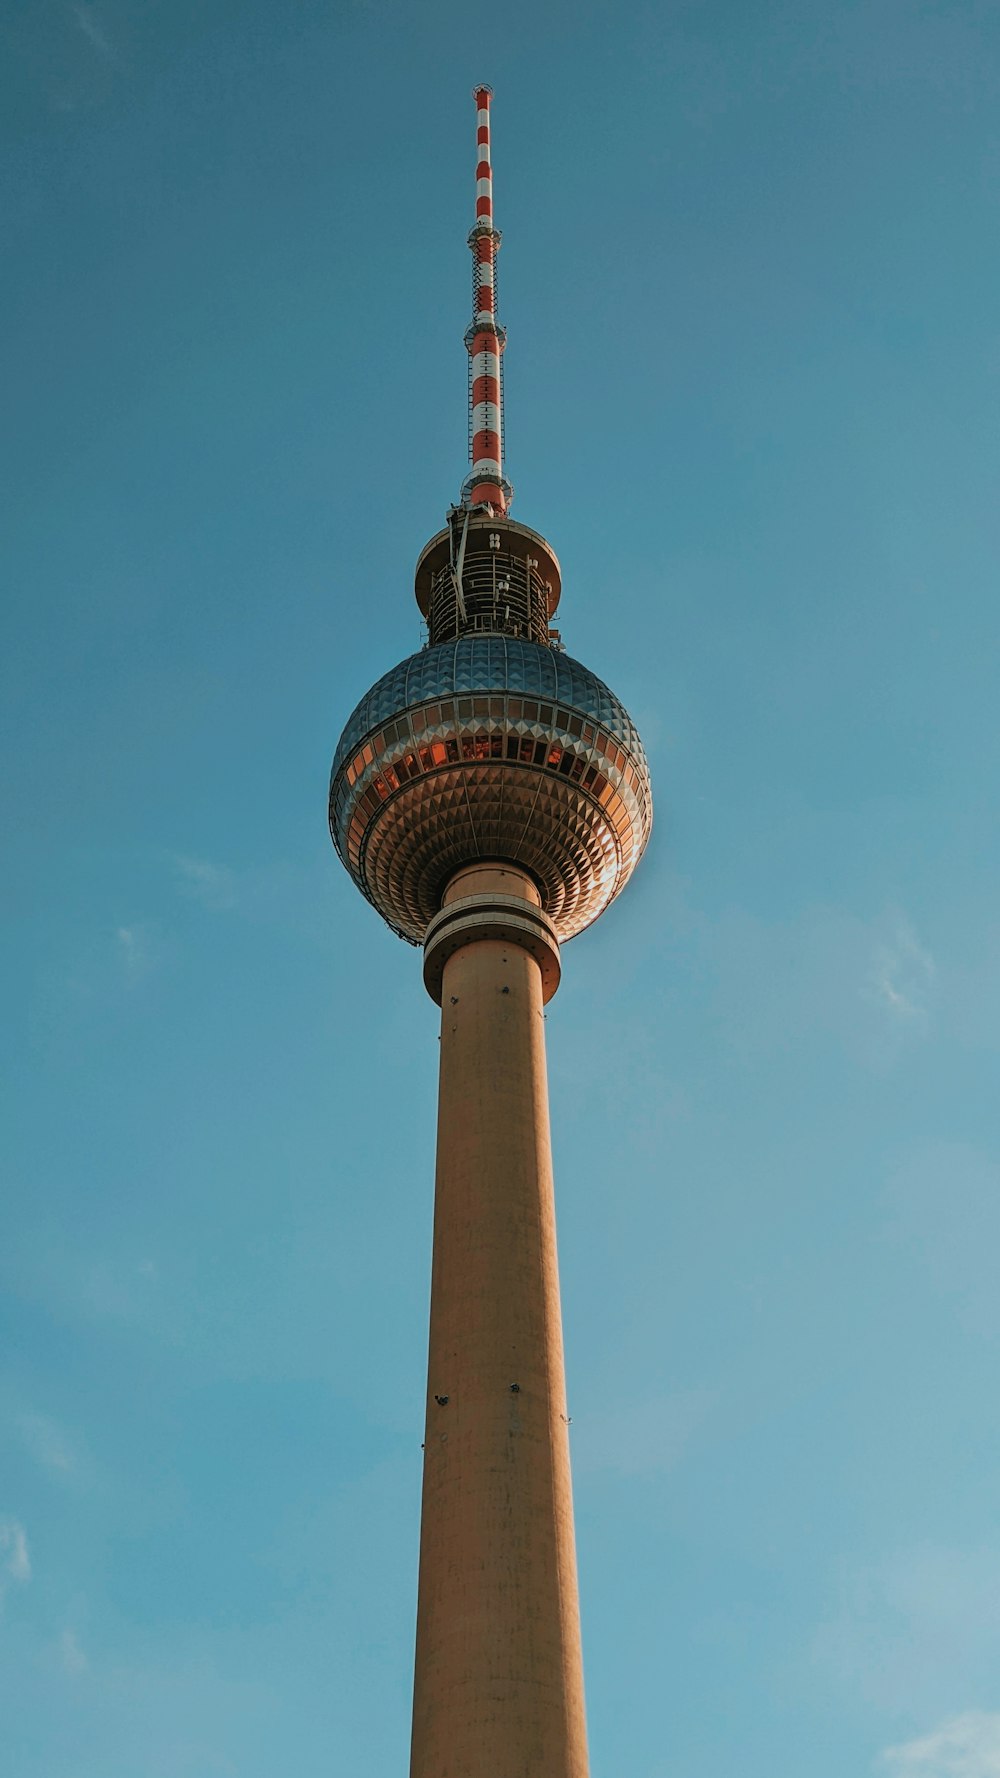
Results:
901 978
89 23
71 1654
907 1632
967 1746
46 1443
15 1561
210 884
133 951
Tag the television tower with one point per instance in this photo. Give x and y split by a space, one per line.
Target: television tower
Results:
490 797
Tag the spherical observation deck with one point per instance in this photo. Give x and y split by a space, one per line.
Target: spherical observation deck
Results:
492 746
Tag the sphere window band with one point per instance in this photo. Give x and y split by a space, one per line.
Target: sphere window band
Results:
480 745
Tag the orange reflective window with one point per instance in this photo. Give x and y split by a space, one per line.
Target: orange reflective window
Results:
555 754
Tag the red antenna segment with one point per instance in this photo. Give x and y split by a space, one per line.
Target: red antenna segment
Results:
485 339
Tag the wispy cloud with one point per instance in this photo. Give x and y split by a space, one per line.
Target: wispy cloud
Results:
867 984
967 1746
902 974
89 22
47 1443
135 952
15 1562
907 1632
89 1285
211 884
97 978
71 1654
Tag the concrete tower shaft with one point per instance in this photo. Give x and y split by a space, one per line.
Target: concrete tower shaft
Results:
499 1672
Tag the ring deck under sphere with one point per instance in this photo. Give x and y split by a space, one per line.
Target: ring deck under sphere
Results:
490 746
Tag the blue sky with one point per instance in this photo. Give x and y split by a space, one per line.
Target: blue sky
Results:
752 283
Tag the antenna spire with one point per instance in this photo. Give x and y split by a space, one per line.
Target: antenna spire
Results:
485 339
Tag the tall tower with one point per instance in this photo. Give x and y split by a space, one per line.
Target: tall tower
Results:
490 797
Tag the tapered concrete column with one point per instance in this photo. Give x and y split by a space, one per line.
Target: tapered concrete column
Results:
498 1688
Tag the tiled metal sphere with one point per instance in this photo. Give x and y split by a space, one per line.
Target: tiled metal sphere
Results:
489 746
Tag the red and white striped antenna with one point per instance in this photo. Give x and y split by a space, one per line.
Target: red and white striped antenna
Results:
485 339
